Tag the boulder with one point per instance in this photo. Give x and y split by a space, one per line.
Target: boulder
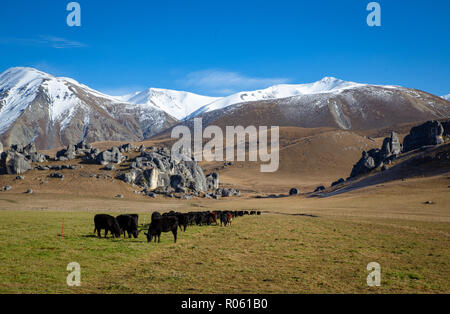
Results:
109 168
337 182
83 146
320 189
112 156
294 191
6 188
127 148
56 175
177 181
29 149
37 157
429 133
67 154
212 181
366 164
15 163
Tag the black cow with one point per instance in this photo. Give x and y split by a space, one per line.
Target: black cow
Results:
162 224
108 223
226 218
156 215
128 223
183 221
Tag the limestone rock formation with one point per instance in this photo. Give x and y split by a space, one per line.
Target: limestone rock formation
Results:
212 180
112 156
429 133
15 163
156 169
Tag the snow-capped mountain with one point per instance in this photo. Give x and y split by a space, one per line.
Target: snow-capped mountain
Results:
327 103
446 97
52 111
177 104
325 85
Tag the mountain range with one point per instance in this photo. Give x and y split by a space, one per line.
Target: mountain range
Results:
54 111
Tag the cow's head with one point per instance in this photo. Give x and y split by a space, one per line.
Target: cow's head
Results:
149 237
117 231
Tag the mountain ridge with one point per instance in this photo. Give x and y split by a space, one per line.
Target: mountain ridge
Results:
56 111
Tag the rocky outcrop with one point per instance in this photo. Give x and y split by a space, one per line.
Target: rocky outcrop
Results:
429 133
67 154
15 163
376 158
112 156
155 169
17 159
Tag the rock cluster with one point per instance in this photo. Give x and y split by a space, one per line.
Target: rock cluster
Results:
224 192
377 158
112 156
156 169
81 149
17 159
429 133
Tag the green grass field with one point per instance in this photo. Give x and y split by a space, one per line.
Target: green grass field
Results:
266 254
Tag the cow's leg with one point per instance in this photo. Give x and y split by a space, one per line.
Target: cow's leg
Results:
99 233
159 237
106 232
175 235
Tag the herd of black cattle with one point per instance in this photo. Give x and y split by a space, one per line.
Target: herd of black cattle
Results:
167 222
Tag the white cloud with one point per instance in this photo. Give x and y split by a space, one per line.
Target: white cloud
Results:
44 40
226 83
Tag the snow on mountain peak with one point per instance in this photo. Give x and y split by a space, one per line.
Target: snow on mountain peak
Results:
446 97
176 103
325 85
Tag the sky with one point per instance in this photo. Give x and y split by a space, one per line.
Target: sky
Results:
217 47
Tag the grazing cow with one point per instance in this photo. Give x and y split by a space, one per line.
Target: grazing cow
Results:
108 223
162 224
226 218
201 219
258 213
230 218
156 215
136 217
128 223
183 221
212 218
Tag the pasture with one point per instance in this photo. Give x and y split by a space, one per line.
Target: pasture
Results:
272 253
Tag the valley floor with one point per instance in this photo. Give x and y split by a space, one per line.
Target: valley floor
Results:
298 245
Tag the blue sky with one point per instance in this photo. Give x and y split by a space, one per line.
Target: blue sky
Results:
219 47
